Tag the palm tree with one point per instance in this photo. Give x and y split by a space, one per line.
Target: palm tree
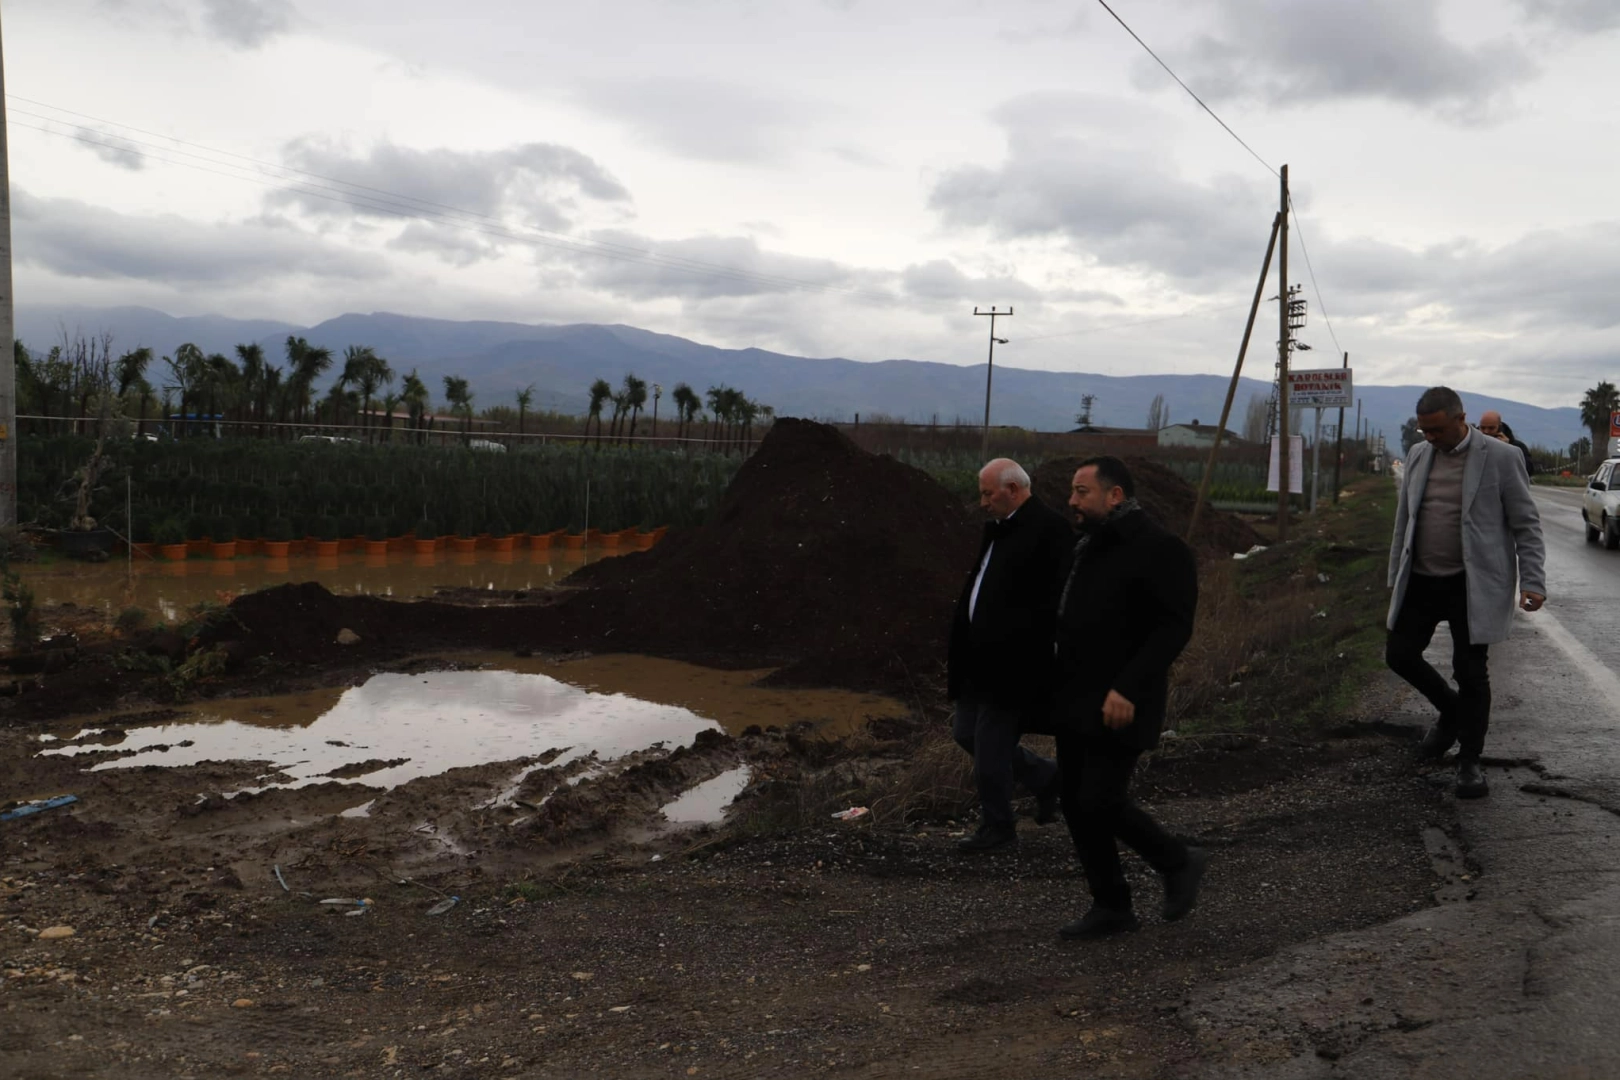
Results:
460 398
219 381
687 404
601 391
373 372
131 373
305 363
187 371
635 399
525 397
389 403
414 395
1597 407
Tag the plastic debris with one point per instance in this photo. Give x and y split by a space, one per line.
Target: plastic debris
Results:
35 807
281 879
357 911
444 905
348 901
851 814
1257 549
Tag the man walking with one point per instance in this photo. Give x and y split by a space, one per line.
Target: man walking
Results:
1492 424
1000 660
1467 545
1124 615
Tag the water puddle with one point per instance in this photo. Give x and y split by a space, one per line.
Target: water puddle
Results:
172 588
396 727
707 802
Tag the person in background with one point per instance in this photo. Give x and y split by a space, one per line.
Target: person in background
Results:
999 665
1490 423
1467 545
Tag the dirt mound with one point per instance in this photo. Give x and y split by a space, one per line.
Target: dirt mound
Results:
1166 497
821 556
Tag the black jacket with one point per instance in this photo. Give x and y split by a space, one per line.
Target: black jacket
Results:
1004 654
1128 615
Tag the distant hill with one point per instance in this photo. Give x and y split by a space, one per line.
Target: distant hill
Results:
499 358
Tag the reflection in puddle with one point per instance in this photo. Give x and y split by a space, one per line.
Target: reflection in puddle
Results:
173 588
707 802
395 728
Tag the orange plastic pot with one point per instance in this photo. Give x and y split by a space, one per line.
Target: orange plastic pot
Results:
425 547
609 540
540 542
348 545
275 549
400 545
174 552
197 547
644 541
376 547
502 543
463 545
226 550
574 541
323 548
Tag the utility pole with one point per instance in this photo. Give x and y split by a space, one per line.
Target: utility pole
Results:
8 330
1338 448
989 370
1283 473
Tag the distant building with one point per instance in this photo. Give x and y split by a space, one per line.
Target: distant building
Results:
1124 440
1194 435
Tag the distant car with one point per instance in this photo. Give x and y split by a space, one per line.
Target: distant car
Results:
485 444
1600 506
326 439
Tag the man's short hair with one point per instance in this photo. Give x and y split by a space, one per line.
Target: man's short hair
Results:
1111 473
1440 399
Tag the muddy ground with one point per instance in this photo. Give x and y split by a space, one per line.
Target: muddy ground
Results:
144 931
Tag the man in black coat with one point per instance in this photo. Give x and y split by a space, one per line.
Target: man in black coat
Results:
1000 661
1124 615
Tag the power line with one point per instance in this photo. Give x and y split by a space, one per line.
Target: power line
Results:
378 200
1187 88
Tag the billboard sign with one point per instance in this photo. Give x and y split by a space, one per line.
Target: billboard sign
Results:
1330 388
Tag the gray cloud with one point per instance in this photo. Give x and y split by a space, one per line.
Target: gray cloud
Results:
941 280
706 119
1093 186
533 184
458 247
248 24
77 240
1586 16
1294 52
111 148
690 269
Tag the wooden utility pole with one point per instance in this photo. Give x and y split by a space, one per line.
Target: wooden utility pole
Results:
989 370
1231 389
1338 434
1282 364
8 330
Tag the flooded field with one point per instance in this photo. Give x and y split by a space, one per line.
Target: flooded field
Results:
170 588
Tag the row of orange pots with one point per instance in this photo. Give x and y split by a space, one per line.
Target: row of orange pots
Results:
401 544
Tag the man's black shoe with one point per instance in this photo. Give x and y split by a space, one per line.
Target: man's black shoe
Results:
1100 922
987 838
1436 741
1046 805
1471 780
1181 886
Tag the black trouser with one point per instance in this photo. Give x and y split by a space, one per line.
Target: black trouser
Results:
1466 711
1096 778
991 733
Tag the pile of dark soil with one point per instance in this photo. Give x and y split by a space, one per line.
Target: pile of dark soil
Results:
840 564
1166 497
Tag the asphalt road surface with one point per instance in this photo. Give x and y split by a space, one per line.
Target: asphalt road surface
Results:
1516 973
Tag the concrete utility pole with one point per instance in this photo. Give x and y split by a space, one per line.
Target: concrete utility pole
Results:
8 332
1282 364
994 313
1338 446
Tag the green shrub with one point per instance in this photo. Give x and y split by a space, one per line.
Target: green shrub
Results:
222 530
169 531
278 529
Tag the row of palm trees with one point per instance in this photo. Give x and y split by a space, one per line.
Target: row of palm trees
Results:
730 419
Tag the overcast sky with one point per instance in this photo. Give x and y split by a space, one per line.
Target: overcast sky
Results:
847 177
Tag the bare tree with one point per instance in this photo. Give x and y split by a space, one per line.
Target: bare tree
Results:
1156 414
1254 419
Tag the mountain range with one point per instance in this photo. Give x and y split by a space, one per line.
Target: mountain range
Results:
561 361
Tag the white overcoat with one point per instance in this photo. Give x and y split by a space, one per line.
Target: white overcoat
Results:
1501 534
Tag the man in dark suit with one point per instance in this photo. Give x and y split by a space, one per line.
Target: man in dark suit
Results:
1124 615
1000 660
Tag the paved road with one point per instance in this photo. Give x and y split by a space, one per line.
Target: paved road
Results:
1516 973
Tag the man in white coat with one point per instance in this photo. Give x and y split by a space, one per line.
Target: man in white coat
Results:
1467 548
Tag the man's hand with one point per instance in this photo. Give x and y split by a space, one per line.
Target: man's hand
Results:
1530 601
1117 712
